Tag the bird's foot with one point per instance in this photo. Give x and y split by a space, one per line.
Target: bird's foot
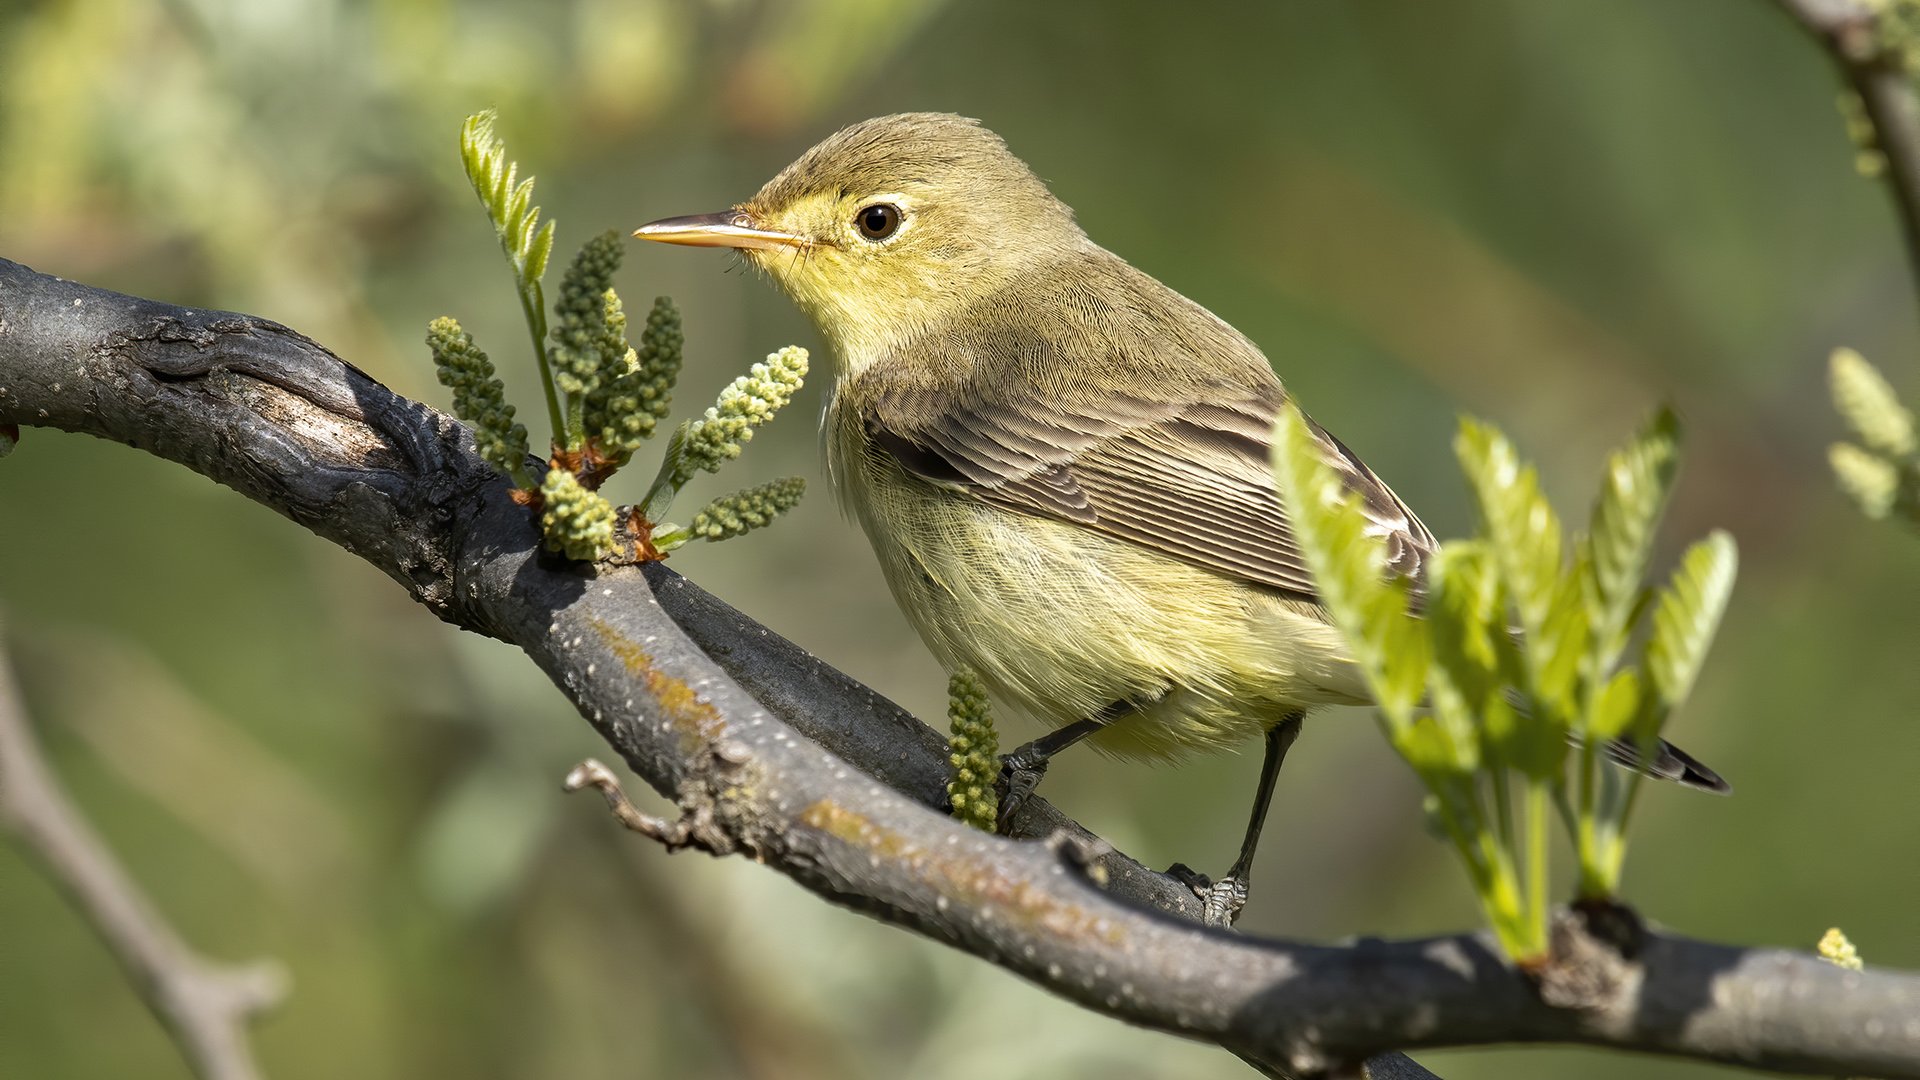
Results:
1221 900
1020 773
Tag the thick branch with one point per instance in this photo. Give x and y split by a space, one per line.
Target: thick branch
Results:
204 1005
1849 31
275 416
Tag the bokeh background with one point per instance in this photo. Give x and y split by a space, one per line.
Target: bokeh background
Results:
1550 213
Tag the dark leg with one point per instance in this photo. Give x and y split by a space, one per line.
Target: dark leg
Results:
1225 898
1020 771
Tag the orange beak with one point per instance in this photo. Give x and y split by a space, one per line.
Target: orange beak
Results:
729 228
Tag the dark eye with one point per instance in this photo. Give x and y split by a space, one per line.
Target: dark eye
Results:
877 222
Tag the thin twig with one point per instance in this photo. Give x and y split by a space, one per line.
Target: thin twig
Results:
1849 31
203 1004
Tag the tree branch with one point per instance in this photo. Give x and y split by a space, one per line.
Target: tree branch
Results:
205 1006
275 416
1849 31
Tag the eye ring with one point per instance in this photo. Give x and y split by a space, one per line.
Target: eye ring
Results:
877 221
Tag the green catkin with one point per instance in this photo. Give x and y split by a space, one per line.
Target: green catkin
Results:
973 751
615 361
580 319
632 404
574 520
479 398
748 402
743 511
657 364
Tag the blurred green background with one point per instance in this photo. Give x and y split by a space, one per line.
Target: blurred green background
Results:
1550 213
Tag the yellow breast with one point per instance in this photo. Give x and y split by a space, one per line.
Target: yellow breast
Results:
1062 622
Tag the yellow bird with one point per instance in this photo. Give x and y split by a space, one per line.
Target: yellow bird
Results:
1061 463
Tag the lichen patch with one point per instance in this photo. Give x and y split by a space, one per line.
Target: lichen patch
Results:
963 876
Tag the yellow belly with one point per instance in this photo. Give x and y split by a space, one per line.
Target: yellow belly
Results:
1062 622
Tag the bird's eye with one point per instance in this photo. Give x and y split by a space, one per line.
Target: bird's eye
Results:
877 222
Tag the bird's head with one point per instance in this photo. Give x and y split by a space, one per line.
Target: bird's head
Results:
890 227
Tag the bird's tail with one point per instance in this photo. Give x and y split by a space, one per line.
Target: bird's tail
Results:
1671 763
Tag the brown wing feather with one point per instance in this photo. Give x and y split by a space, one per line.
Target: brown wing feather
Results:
1185 472
1196 486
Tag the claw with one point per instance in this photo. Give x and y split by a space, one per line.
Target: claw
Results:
1221 901
1019 776
1021 770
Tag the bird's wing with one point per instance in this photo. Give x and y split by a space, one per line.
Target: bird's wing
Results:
1191 479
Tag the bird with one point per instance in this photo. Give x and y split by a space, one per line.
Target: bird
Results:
1062 464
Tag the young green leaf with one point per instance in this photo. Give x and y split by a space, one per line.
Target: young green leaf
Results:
1617 705
1432 746
1516 518
1524 534
1466 611
1871 481
516 221
1633 495
1555 651
1871 408
1403 676
1349 569
1687 617
1466 616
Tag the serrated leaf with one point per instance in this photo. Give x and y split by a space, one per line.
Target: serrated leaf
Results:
538 250
1616 707
1349 569
1431 749
1454 719
1462 613
507 198
1556 651
1515 517
1465 610
478 145
1403 671
1502 723
1633 496
522 215
1539 751
484 156
1688 616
